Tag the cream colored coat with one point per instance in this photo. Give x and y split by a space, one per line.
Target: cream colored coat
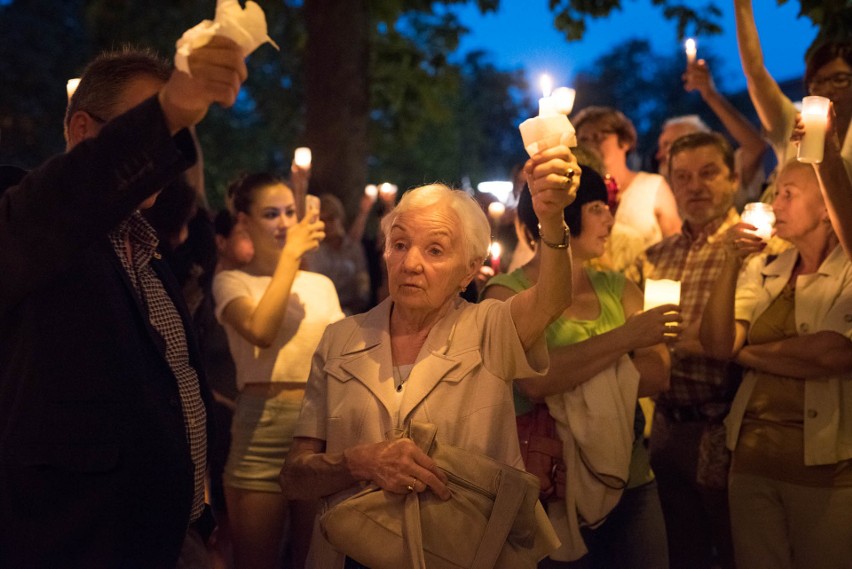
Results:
460 382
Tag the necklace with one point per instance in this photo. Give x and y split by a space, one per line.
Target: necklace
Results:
398 379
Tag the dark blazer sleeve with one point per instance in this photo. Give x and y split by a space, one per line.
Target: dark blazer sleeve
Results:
61 207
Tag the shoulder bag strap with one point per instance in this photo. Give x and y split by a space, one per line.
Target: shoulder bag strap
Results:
412 542
511 491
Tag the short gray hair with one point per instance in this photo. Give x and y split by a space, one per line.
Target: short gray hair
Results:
476 232
691 120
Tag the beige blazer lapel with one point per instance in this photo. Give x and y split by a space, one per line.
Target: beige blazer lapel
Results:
367 355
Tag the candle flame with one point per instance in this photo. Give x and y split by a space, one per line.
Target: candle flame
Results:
690 45
546 84
495 249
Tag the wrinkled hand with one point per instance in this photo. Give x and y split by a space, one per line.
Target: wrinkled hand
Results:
698 78
739 241
303 237
552 185
218 72
398 466
657 325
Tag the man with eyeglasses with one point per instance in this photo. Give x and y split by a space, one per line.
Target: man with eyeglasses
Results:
687 448
103 405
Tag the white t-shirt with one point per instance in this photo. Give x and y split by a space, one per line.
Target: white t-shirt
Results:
637 204
313 305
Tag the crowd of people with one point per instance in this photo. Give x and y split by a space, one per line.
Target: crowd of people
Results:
187 388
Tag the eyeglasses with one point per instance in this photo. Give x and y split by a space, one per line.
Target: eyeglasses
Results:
594 137
838 81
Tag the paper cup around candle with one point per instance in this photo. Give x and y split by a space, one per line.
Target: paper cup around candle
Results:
659 292
302 157
815 118
541 133
761 216
563 100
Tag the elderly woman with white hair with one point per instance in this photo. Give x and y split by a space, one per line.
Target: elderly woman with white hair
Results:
425 354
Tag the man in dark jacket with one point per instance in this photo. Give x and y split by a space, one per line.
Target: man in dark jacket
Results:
103 403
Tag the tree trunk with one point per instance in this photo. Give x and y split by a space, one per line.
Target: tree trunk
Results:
337 97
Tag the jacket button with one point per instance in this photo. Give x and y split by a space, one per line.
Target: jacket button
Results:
803 327
812 413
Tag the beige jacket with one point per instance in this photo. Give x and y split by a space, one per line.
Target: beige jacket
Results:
460 382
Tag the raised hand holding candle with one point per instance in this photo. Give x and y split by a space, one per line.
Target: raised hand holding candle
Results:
761 216
659 292
815 118
549 128
302 157
691 50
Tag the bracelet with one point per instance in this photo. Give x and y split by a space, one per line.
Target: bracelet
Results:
565 237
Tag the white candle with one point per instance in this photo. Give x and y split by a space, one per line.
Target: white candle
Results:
761 216
371 190
659 292
815 117
302 157
691 50
388 189
563 99
496 210
546 103
495 250
71 86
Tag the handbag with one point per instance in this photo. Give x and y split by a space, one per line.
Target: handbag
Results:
541 449
493 519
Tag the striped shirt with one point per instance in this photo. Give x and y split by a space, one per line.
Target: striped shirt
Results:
695 259
166 320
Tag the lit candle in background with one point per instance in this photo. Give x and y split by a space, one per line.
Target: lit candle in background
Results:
659 292
495 251
815 117
563 99
71 86
496 210
302 157
691 50
388 189
546 103
761 216
371 190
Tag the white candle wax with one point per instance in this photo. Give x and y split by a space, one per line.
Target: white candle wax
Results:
496 210
546 105
302 157
691 50
815 118
388 189
371 190
71 86
761 216
659 292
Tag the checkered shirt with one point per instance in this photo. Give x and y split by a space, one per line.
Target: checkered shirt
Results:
166 320
694 259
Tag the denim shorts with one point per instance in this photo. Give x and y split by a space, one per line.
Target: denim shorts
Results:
261 436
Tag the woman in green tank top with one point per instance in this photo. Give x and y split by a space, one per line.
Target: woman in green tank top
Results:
603 324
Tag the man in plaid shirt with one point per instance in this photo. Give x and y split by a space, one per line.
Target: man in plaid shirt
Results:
688 451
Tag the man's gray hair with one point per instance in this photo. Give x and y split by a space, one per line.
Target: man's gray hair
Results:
691 120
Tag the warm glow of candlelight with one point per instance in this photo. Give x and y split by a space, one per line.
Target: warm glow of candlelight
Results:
496 211
815 117
691 49
302 157
71 86
388 189
546 84
371 190
761 216
659 292
563 99
494 251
